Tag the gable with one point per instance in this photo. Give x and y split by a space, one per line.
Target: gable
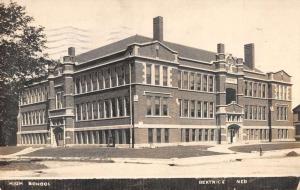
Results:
234 108
157 51
282 76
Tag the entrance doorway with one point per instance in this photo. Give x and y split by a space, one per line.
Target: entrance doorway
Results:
59 136
233 133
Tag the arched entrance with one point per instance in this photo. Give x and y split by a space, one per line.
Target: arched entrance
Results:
59 136
233 133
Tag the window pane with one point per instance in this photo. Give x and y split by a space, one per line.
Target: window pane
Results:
121 75
89 110
101 109
83 107
113 77
89 82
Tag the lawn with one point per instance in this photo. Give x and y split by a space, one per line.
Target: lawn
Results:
6 150
265 147
161 152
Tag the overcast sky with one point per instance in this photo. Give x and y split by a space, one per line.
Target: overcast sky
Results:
273 25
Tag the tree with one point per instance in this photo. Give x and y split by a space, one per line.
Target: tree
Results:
21 58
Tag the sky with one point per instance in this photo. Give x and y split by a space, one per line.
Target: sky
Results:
272 25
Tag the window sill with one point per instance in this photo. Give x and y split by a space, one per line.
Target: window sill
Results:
157 116
102 119
196 118
34 125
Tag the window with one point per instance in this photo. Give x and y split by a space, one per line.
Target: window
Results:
198 82
192 108
179 78
204 87
101 109
113 107
113 77
89 110
165 76
100 79
206 134
148 74
187 135
263 90
185 108
259 112
78 112
83 84
158 135
212 134
264 113
89 83
95 110
259 90
246 111
254 89
121 106
200 135
250 88
59 100
192 81
127 105
95 81
211 109
127 74
121 75
254 112
205 108
107 108
185 80
165 108
83 107
150 135
211 83
199 111
157 105
107 78
193 134
167 135
149 105
157 74
77 85
180 108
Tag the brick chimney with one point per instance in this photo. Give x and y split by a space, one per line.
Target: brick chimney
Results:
158 32
249 55
71 51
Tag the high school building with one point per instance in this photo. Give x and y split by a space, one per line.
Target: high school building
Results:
144 91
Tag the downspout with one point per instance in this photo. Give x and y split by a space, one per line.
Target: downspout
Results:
131 107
